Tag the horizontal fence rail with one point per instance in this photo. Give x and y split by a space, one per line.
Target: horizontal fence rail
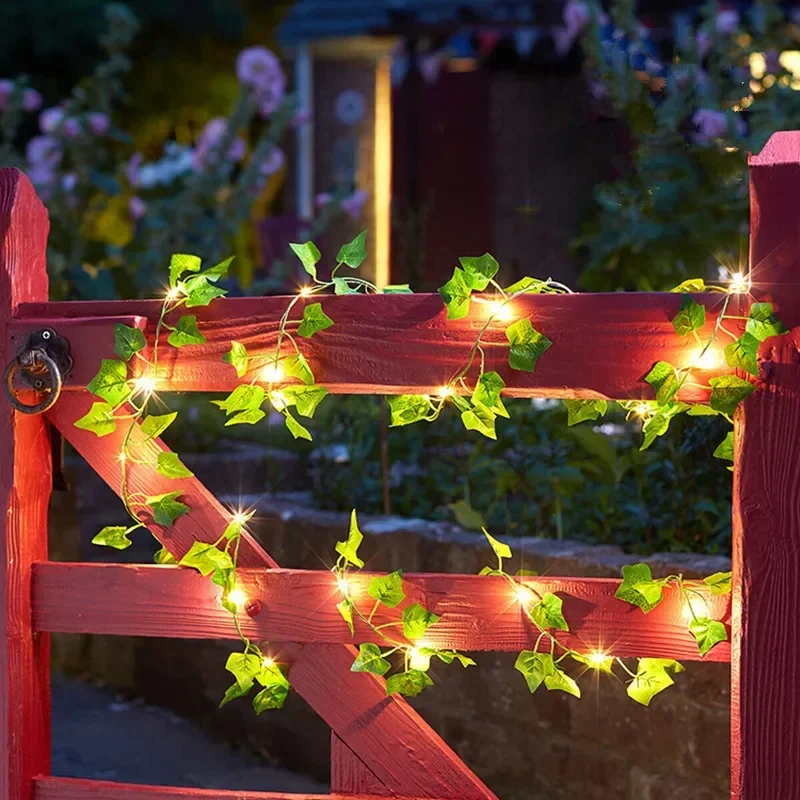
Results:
477 612
603 345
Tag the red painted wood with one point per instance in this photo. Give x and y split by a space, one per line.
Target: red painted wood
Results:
25 482
321 676
349 773
603 345
477 613
765 706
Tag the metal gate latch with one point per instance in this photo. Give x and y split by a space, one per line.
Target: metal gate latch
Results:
41 365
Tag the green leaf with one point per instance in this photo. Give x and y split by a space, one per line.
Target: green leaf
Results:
270 697
455 294
297 430
501 549
309 255
163 556
186 332
244 667
707 632
181 263
658 424
690 318
397 288
539 668
314 319
345 608
743 354
206 558
234 692
652 677
166 508
491 571
527 345
409 683
249 417
115 536
305 398
480 418
580 410
99 420
408 408
664 379
170 466
487 391
763 323
698 410
559 681
341 286
348 549
694 285
547 613
725 448
466 516
720 583
200 292
297 366
639 588
527 285
353 253
237 358
370 659
479 270
417 620
234 528
111 382
127 341
600 662
387 589
218 271
245 397
727 392
155 424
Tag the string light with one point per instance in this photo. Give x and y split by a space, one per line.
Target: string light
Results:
268 663
695 606
501 310
173 294
597 659
122 457
278 400
524 595
642 410
237 597
444 391
145 385
305 291
343 584
710 359
239 518
272 373
418 659
740 283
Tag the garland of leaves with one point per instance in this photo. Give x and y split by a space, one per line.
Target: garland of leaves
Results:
125 399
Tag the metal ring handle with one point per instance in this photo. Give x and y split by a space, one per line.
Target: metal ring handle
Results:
54 391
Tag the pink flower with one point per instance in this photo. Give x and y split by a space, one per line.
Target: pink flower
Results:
50 119
597 90
132 168
703 44
6 88
31 100
353 204
576 15
322 199
257 68
70 128
209 138
98 123
43 178
563 39
711 124
727 22
69 181
302 117
43 151
274 161
137 207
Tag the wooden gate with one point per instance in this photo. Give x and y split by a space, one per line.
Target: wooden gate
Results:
604 345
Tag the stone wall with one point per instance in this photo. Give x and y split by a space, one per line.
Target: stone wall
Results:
524 746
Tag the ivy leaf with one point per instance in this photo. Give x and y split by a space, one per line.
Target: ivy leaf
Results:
417 620
448 656
233 692
243 398
406 409
166 508
547 613
199 292
527 345
638 587
409 683
479 270
535 667
233 530
387 589
658 424
480 418
244 667
690 318
297 366
466 516
527 285
99 420
604 663
170 466
305 398
707 632
249 417
559 681
727 392
664 379
115 536
353 253
580 410
186 332
270 697
698 410
652 677
181 263
218 271
720 583
491 571
314 319
501 549
341 286
237 358
455 294
309 255
297 430
345 608
743 354
763 323
694 285
348 549
163 556
127 341
370 659
206 558
725 448
155 424
111 382
487 391
397 288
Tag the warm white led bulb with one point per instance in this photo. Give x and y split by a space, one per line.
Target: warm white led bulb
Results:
343 584
501 310
740 283
237 597
524 595
272 373
144 385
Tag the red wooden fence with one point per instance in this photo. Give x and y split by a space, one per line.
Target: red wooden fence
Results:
603 345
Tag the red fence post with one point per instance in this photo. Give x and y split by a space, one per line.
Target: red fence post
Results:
765 659
25 483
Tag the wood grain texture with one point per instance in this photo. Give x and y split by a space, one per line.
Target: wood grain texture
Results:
477 613
321 676
25 482
603 345
350 775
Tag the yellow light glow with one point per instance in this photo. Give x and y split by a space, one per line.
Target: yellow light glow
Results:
173 294
524 595
272 373
144 385
239 518
305 291
382 170
444 391
695 606
501 310
278 400
710 359
740 283
237 597
642 410
597 659
122 457
343 584
417 659
268 663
